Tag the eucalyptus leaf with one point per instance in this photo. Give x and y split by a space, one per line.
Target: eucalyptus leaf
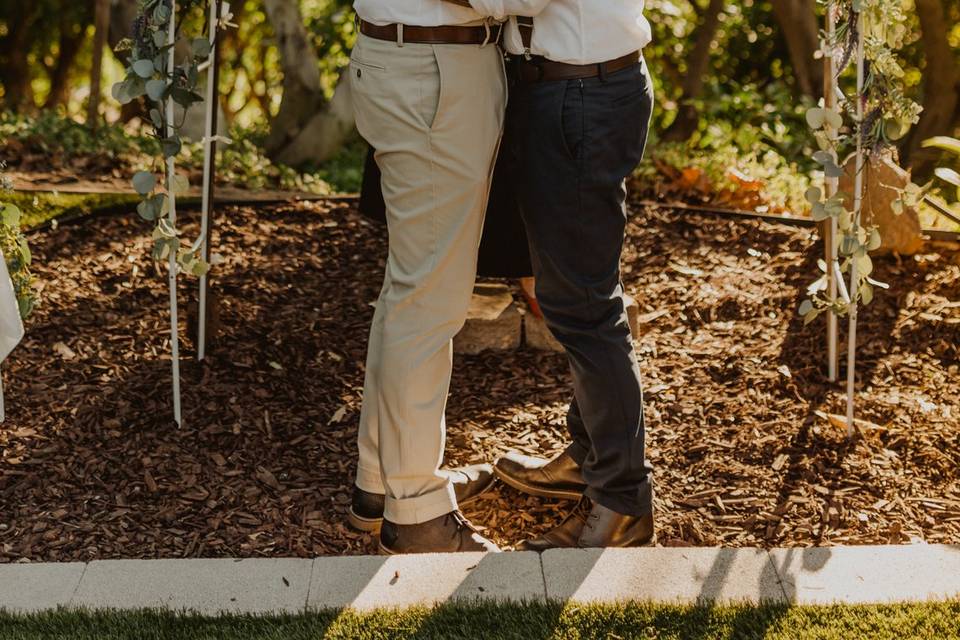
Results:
156 90
171 146
805 307
823 156
866 294
144 182
147 210
848 245
813 194
184 97
818 285
143 68
831 170
875 240
833 118
819 212
178 184
816 117
200 48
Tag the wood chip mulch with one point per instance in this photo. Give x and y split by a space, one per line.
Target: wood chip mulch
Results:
91 465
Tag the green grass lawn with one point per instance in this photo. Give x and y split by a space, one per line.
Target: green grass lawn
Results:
939 621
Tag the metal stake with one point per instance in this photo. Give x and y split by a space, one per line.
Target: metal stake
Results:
857 206
172 262
209 171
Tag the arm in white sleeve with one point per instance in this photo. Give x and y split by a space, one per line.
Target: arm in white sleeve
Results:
500 9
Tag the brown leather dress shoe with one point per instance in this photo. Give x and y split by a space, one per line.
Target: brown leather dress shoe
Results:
558 478
565 535
590 525
469 483
447 534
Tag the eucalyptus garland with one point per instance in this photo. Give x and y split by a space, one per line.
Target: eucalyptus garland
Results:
887 115
16 252
149 76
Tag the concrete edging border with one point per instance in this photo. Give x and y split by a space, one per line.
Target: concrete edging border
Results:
680 575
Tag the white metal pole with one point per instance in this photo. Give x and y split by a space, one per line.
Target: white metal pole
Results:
209 133
857 205
831 185
172 262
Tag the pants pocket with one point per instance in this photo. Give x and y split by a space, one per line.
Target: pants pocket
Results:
572 119
431 91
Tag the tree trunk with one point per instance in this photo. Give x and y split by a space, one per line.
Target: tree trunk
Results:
692 83
801 30
306 129
941 87
101 26
14 62
71 37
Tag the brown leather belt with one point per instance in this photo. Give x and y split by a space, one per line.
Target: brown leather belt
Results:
432 35
539 69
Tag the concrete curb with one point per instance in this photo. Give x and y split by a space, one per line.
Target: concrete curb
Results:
679 575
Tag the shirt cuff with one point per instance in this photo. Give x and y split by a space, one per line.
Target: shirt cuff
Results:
491 8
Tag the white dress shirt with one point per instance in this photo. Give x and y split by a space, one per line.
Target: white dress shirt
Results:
419 13
573 31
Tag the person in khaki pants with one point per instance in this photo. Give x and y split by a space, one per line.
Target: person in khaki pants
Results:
429 95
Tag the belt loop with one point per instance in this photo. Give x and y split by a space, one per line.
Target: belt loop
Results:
602 71
400 34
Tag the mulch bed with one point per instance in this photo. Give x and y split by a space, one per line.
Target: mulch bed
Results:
91 465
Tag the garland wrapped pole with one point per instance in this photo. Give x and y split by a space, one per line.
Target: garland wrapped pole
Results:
153 74
867 33
172 266
209 167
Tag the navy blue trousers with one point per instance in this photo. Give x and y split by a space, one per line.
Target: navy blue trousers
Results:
572 143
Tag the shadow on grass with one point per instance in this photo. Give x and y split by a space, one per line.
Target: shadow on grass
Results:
527 621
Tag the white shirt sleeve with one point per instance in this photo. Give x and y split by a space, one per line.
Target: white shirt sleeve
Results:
500 9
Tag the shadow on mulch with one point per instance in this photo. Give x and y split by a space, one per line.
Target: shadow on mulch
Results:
91 465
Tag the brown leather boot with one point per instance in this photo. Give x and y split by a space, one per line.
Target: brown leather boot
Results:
558 478
469 483
590 525
448 533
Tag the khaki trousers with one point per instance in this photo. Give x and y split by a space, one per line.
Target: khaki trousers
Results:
434 114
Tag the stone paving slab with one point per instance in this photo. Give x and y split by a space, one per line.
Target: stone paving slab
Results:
401 581
202 586
863 575
685 575
35 587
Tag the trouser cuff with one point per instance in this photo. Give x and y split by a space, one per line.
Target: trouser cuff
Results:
421 508
638 504
577 452
370 480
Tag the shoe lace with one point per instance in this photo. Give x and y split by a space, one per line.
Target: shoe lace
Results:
582 511
462 522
